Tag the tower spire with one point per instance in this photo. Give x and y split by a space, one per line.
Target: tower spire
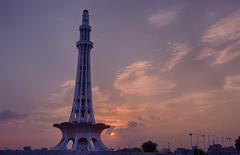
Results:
85 17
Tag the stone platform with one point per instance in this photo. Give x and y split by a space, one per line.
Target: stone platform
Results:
85 136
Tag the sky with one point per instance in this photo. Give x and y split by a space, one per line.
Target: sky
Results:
160 70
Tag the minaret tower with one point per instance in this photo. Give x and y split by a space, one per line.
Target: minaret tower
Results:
81 128
82 111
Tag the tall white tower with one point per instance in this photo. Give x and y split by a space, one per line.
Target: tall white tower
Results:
82 104
81 128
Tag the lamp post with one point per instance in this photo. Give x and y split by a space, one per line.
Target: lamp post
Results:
203 136
223 141
209 143
190 135
213 142
228 141
197 140
231 141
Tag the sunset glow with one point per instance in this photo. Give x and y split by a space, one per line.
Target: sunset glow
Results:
112 133
160 70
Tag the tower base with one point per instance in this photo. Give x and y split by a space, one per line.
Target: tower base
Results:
84 136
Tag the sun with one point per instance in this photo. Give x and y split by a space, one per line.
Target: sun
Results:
112 134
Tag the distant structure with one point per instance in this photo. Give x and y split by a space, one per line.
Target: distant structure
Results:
183 151
81 128
217 149
27 148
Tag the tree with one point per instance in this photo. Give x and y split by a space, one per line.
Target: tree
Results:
149 146
237 144
198 152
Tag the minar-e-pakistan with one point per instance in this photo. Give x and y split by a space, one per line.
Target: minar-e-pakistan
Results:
81 128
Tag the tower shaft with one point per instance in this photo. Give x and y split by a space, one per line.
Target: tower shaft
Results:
82 111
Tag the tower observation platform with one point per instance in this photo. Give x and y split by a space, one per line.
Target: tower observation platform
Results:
81 128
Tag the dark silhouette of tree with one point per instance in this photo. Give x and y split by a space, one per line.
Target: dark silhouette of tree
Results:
198 152
149 146
237 144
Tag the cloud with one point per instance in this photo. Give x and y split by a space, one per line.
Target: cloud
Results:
163 18
179 51
6 115
116 122
64 94
135 80
153 117
132 124
228 54
117 115
127 127
232 82
99 96
68 84
194 101
226 29
57 108
206 52
222 40
201 110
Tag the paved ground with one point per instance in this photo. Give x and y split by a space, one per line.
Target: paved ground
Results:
71 153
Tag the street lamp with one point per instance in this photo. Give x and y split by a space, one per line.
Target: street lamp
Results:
203 136
190 134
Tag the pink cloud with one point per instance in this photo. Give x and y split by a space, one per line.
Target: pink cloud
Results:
134 80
